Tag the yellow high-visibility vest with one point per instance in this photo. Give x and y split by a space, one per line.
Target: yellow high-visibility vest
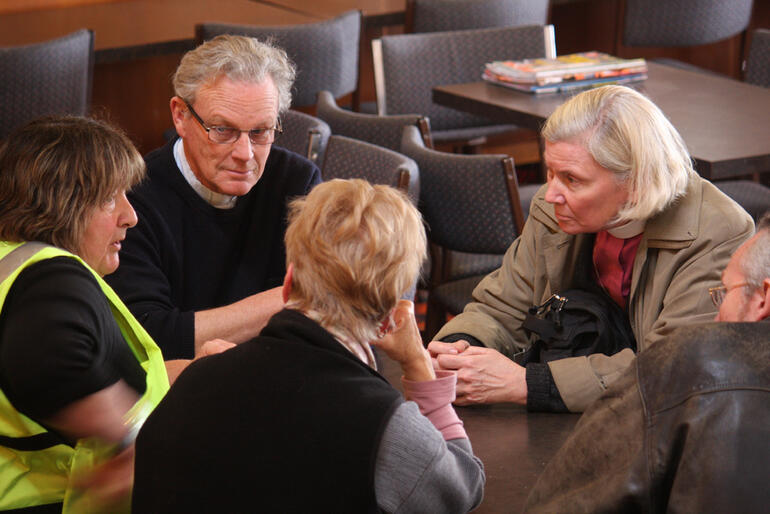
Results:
36 466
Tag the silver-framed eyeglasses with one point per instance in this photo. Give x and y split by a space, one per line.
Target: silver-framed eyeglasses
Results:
718 293
225 135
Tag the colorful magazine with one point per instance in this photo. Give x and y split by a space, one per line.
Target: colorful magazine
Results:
570 67
573 85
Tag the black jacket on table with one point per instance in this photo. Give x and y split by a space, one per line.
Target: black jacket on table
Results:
288 422
685 429
185 255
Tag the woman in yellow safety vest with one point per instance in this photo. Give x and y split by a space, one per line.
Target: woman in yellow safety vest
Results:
78 373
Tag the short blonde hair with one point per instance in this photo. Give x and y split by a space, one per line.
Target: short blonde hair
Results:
629 135
239 58
356 248
56 171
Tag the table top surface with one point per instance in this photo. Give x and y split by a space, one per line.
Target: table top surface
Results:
514 445
724 123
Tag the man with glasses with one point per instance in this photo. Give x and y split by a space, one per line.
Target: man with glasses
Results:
207 255
686 428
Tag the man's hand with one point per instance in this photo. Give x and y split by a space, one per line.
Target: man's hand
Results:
213 347
484 375
175 367
403 344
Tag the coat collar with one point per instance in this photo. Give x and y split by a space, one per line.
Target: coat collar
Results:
677 226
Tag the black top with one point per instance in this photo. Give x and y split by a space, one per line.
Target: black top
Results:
288 422
59 341
185 255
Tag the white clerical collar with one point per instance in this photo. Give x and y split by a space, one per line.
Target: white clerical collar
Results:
218 200
628 230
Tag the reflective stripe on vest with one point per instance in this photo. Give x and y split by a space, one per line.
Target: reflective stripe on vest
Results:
36 465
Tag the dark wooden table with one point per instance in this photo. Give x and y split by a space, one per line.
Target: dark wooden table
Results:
725 123
514 445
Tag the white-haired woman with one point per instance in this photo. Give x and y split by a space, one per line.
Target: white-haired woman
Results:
298 419
622 200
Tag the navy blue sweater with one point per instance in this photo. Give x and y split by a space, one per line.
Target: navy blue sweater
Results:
185 255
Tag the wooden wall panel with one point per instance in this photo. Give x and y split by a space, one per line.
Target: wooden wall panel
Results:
135 96
11 6
138 22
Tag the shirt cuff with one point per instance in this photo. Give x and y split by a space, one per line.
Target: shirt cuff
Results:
434 399
542 393
451 338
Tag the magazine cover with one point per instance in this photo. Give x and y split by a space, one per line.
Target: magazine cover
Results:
570 67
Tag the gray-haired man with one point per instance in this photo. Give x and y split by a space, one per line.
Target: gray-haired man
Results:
207 255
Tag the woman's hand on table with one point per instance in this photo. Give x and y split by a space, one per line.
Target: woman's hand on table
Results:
484 375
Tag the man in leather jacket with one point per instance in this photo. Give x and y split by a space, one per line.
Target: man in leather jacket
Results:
686 428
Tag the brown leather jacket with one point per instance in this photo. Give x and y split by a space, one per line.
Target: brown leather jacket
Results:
685 429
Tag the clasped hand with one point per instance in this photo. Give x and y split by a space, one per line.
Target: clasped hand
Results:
484 375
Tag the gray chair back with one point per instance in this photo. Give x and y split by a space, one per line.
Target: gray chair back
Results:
377 129
325 53
408 66
304 134
752 196
443 15
758 62
470 202
683 22
350 158
52 77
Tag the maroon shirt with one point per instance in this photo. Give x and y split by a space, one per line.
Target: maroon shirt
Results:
614 262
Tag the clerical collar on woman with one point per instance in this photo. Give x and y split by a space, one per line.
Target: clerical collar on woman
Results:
218 200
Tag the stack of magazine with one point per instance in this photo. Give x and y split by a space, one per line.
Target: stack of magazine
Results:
567 72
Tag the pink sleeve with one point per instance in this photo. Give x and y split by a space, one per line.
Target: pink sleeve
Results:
434 398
